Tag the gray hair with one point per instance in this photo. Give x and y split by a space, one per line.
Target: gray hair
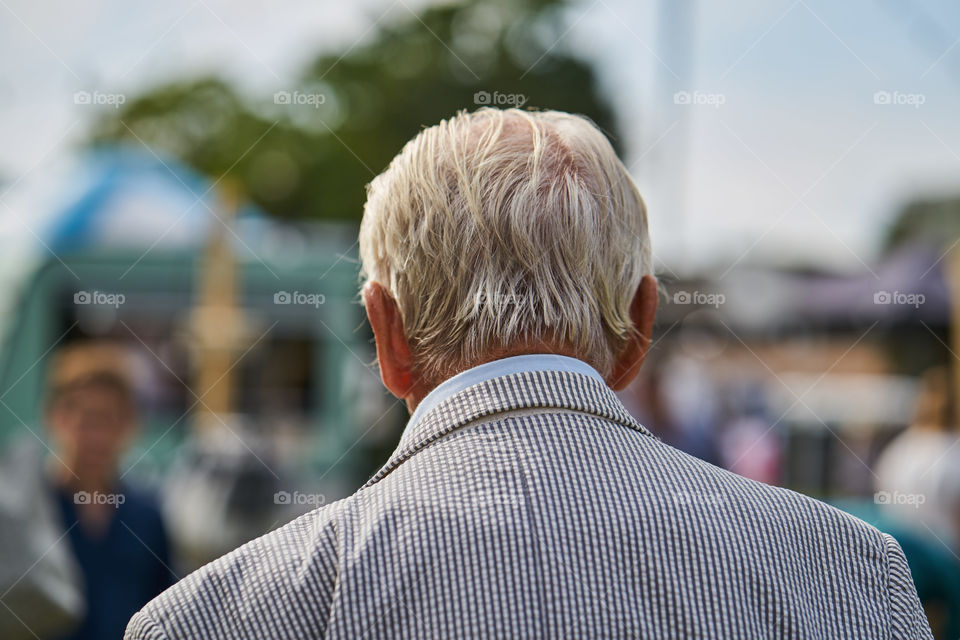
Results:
498 228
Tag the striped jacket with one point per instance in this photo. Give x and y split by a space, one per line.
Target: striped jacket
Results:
534 505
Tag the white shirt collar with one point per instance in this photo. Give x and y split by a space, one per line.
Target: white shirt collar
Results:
496 369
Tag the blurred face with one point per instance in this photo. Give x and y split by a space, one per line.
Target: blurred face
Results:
91 428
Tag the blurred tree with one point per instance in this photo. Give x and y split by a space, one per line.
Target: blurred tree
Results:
931 226
308 151
934 222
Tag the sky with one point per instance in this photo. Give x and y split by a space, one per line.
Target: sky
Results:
759 131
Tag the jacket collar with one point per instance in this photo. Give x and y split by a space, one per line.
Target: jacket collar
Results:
525 390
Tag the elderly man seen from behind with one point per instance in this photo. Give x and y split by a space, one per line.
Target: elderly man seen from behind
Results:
509 285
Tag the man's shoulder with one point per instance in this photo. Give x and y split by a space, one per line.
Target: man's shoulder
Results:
631 471
628 470
293 567
707 490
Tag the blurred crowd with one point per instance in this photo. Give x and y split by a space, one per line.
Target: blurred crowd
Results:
97 537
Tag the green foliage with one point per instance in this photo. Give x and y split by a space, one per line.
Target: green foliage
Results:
313 159
932 222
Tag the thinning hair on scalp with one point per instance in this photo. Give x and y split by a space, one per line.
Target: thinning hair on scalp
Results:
502 228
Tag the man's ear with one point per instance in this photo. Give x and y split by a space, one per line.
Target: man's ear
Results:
643 310
393 350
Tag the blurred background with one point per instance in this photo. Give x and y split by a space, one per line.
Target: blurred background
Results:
184 181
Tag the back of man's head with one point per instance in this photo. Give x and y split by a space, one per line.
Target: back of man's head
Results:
502 228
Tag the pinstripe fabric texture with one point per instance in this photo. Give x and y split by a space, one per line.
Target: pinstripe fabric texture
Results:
533 505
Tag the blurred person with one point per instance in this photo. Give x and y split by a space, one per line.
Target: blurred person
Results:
40 582
917 479
750 448
116 533
917 500
508 282
649 399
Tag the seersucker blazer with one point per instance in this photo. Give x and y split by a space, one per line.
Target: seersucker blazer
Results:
533 505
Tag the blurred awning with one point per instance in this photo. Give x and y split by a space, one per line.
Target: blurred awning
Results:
122 197
908 287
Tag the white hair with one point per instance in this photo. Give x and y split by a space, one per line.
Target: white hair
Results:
502 228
